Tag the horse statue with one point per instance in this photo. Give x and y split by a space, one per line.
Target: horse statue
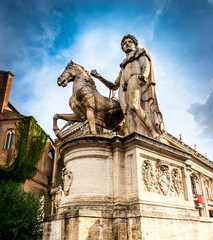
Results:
86 102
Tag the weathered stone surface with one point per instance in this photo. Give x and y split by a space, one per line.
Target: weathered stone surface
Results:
157 225
109 198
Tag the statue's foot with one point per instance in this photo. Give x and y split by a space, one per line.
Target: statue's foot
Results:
157 137
93 132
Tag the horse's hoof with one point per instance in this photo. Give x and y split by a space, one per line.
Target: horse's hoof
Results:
59 135
55 117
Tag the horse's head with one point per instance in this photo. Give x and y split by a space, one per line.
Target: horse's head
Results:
69 74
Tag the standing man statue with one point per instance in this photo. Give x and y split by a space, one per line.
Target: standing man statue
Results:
136 85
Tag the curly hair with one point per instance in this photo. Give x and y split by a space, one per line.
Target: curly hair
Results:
135 41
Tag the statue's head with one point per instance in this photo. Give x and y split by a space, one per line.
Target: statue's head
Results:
129 43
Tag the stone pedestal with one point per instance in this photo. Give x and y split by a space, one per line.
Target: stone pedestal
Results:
123 188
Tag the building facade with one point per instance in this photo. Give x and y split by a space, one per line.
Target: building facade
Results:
9 117
132 187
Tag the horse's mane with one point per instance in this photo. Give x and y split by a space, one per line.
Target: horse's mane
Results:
89 80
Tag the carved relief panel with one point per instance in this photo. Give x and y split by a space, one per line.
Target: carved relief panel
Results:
177 184
160 177
163 177
148 175
67 180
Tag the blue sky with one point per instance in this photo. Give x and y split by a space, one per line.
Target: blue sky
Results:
38 38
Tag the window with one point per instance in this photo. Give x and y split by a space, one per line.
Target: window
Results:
207 193
193 186
9 139
60 166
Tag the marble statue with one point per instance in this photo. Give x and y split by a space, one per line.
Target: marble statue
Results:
86 102
136 85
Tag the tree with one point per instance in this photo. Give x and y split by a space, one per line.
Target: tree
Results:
21 213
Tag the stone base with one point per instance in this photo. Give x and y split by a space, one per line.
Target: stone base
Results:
136 221
125 188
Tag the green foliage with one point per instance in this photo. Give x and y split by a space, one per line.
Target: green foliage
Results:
20 213
30 140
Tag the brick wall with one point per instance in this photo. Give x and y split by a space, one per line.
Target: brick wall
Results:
5 84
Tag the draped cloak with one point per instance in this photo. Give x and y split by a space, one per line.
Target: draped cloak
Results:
148 94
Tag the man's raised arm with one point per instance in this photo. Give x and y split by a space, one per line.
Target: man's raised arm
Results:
107 83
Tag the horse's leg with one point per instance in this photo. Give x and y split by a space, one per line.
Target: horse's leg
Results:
87 99
67 117
91 120
89 103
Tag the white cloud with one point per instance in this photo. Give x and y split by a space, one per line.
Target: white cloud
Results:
100 50
203 115
174 99
161 5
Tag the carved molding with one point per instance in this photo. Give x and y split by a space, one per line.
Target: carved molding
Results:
195 176
67 180
188 168
206 181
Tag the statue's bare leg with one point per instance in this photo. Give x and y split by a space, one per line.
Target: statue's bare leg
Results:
67 117
135 106
130 122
